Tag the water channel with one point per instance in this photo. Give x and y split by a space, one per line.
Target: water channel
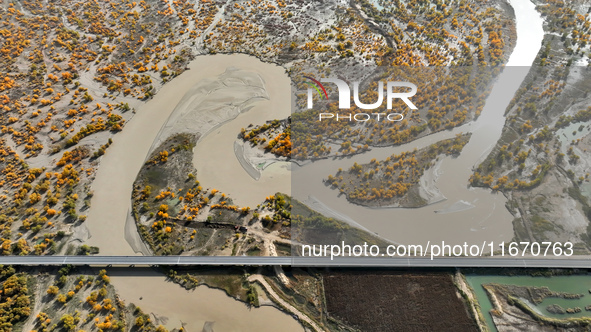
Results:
578 284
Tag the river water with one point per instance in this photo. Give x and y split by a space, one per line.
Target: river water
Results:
110 210
119 167
214 156
488 219
193 309
578 284
472 215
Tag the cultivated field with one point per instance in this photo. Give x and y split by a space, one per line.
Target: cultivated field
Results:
402 301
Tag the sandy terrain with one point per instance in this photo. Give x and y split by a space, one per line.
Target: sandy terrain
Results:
255 161
428 190
213 101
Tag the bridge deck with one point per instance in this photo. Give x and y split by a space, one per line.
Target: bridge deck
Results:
295 261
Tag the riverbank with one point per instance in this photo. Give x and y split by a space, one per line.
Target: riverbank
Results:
255 161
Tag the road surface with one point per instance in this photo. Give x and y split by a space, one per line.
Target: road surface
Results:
578 262
277 299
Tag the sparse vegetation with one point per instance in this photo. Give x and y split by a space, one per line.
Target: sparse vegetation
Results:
388 182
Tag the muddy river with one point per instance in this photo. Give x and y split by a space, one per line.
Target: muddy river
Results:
486 218
110 210
175 307
467 214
